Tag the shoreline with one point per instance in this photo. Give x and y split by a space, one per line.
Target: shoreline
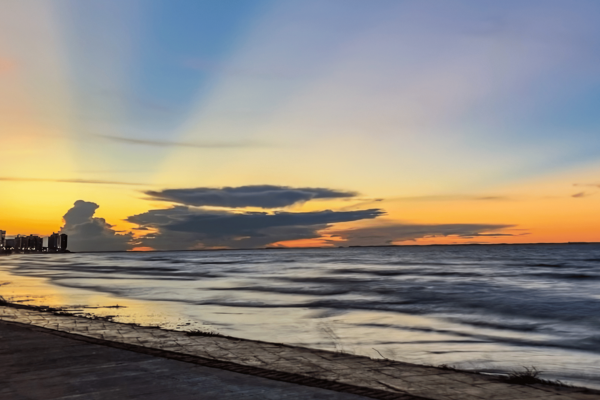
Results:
321 248
320 368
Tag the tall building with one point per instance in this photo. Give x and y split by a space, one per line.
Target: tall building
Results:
53 242
35 243
20 242
63 242
28 243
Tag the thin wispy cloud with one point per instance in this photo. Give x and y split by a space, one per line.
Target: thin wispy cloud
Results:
595 185
167 143
389 233
361 204
449 197
585 193
581 194
85 181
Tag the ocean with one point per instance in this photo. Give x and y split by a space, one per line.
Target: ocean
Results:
488 308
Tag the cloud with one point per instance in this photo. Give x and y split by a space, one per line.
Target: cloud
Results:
87 233
262 196
86 181
165 143
581 194
361 204
395 232
584 193
183 227
449 197
484 198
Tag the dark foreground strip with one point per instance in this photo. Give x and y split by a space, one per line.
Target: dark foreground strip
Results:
230 366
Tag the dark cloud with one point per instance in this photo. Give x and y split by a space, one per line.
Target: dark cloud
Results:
182 227
87 233
262 196
386 234
87 181
165 143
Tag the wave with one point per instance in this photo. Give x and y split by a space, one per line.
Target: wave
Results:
591 343
523 291
565 276
541 265
500 325
387 272
287 290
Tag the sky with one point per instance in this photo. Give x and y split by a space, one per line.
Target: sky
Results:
193 124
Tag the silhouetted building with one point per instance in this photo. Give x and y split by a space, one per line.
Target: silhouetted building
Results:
63 242
28 243
53 242
20 242
33 243
57 242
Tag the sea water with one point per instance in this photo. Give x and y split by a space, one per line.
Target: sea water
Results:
488 308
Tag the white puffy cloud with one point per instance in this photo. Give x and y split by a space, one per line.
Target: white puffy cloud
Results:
87 233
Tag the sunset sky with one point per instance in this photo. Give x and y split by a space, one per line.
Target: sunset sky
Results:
231 123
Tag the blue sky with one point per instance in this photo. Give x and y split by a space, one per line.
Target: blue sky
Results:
476 74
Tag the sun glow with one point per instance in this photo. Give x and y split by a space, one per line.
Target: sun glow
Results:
434 131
